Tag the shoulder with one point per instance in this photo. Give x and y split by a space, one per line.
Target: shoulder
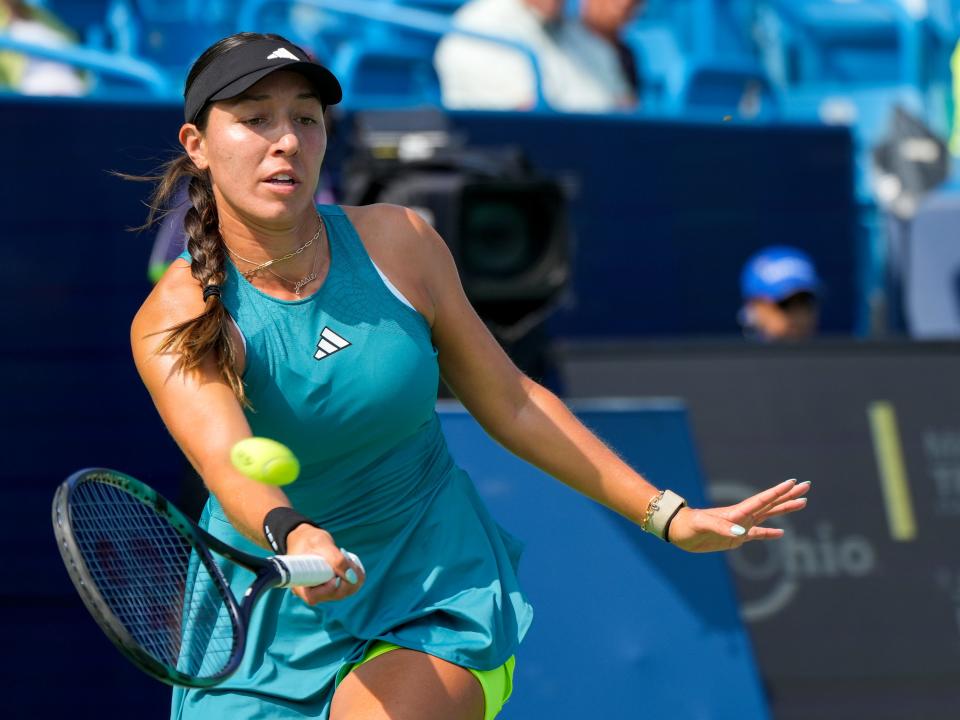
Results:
176 298
386 228
478 14
408 250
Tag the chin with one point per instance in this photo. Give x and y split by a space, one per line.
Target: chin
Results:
279 211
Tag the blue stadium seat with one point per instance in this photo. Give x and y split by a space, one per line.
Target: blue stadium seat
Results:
175 32
447 7
875 42
383 58
739 90
86 17
820 41
849 63
660 61
99 24
378 76
677 81
174 46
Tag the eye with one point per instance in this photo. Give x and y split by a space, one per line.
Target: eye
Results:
253 122
307 120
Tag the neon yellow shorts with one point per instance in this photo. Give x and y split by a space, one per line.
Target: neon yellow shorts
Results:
497 684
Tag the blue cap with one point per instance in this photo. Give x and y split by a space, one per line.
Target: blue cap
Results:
776 273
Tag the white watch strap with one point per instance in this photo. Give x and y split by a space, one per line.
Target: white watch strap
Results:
667 507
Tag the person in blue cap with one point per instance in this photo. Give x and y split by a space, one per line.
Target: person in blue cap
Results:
781 291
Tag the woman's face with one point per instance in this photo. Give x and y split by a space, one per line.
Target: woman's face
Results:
263 149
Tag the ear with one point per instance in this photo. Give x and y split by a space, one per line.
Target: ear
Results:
193 142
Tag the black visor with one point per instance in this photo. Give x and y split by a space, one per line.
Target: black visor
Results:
238 69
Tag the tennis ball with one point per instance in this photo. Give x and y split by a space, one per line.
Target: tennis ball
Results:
265 460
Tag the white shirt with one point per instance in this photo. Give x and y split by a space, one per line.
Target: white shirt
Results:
45 77
581 71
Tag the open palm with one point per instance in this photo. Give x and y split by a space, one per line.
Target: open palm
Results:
715 529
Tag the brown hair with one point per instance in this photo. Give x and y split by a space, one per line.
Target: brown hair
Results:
209 332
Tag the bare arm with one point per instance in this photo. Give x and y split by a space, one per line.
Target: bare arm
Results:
535 425
206 420
520 414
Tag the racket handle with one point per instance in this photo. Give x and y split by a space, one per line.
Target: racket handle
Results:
306 570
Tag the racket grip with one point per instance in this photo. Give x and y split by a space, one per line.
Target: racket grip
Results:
308 570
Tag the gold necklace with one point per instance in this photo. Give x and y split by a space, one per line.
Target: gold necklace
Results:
266 265
305 280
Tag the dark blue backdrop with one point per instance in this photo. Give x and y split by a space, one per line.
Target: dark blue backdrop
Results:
664 214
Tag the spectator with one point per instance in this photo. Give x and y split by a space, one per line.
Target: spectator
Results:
608 18
780 291
581 70
36 76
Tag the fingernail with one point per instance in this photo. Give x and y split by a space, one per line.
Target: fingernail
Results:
803 500
337 584
805 482
737 530
351 576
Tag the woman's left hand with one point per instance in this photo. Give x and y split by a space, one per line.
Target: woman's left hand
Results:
717 528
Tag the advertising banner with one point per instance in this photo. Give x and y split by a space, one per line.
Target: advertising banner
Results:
856 613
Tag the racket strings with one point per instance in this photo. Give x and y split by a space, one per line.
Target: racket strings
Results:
156 585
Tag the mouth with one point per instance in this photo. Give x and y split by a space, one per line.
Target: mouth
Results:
282 180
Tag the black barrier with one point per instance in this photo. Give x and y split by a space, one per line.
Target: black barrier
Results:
856 614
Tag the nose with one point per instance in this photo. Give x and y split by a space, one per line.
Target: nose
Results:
288 143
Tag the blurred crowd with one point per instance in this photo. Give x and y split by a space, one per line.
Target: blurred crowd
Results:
30 75
584 63
582 56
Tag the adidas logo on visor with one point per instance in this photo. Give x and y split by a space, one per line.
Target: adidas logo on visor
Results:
281 53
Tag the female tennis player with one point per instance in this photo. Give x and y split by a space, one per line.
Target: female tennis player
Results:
327 328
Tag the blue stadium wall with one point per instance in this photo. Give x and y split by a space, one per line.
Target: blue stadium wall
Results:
665 213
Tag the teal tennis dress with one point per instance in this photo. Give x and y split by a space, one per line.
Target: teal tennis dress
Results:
347 378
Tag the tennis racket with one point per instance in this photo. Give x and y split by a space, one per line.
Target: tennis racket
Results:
146 574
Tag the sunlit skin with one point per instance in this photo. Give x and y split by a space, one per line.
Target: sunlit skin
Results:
548 10
776 323
277 127
608 17
274 127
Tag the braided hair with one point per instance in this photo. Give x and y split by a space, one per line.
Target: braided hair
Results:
209 332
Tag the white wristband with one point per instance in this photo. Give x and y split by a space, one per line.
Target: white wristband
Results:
664 508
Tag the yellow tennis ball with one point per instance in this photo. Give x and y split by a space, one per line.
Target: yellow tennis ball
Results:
265 460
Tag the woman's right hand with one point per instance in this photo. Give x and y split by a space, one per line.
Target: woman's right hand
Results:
309 540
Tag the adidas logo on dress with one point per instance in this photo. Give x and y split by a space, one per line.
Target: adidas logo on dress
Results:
329 343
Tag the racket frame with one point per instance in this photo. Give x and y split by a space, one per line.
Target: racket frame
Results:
270 573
